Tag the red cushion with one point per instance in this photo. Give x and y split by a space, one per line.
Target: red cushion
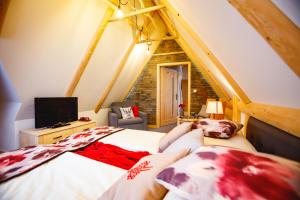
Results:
135 110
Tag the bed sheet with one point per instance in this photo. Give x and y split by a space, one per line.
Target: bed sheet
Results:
74 177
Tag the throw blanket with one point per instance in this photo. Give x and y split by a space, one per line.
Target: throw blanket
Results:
25 159
111 154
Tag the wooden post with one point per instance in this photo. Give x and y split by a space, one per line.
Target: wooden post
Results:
236 114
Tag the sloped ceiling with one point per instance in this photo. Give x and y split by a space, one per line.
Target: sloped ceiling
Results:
43 42
252 63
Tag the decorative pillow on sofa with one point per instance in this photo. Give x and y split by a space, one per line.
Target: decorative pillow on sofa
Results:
135 110
190 141
173 135
127 113
214 172
139 182
218 128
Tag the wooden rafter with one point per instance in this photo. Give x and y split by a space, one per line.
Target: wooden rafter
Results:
111 4
166 20
138 12
3 8
157 39
275 27
118 71
168 53
93 44
274 115
218 88
116 75
142 5
242 95
139 71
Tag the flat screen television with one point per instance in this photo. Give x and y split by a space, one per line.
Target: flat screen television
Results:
55 111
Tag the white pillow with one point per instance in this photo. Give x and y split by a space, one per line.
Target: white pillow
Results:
127 113
189 141
173 135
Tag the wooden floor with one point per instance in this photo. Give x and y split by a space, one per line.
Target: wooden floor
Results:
163 129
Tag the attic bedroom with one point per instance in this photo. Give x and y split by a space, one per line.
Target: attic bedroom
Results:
149 99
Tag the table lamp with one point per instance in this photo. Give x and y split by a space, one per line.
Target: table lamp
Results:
214 107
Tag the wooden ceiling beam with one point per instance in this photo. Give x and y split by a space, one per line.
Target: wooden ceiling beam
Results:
275 27
284 118
3 8
138 12
157 39
118 71
241 94
111 4
207 74
140 70
93 44
116 75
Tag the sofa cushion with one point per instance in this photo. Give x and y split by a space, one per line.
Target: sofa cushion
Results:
135 120
116 109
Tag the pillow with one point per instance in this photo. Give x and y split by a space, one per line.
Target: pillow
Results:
116 109
135 110
190 141
127 113
218 128
226 173
175 133
139 182
173 196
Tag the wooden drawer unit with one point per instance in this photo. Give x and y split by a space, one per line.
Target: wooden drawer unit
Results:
84 127
50 136
54 137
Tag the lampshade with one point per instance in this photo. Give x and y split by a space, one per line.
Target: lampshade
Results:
214 107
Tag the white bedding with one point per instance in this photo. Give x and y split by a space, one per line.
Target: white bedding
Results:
71 176
238 141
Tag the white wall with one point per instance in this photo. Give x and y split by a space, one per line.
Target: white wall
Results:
42 44
251 61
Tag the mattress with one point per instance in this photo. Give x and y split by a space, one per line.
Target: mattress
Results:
74 177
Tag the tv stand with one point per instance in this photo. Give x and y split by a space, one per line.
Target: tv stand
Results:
52 135
60 124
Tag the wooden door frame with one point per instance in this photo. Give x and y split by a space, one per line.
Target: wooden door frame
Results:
159 66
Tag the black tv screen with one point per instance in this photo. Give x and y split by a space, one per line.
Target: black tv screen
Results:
53 110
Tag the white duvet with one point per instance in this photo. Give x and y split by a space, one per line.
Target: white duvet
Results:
74 177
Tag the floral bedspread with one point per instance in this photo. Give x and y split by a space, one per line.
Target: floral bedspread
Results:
25 159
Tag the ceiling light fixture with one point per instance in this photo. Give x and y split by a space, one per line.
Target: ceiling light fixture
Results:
120 13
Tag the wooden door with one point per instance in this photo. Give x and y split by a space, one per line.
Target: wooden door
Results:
168 96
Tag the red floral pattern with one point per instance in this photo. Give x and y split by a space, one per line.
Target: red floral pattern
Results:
11 159
133 172
253 177
27 158
217 128
214 172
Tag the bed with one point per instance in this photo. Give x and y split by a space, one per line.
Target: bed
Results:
71 176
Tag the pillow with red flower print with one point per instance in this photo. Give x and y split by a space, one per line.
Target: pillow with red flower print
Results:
214 172
139 182
218 128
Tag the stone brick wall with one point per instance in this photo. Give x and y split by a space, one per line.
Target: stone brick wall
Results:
144 91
